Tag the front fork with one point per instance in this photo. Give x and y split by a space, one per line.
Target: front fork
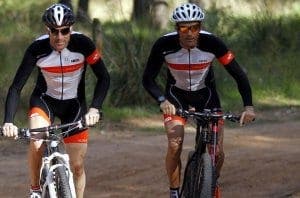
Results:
209 134
212 146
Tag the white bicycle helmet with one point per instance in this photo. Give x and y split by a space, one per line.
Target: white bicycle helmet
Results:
58 15
187 12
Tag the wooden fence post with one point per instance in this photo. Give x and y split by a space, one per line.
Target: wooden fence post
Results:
97 33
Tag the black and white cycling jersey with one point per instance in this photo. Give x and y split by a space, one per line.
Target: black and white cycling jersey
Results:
191 69
60 74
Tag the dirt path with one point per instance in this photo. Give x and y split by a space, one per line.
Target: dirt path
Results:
262 160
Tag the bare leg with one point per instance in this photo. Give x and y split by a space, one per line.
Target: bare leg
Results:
35 150
175 134
220 155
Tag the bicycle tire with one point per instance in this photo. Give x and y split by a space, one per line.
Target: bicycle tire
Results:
61 179
204 177
62 185
189 176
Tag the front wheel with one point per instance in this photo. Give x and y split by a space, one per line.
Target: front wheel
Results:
58 186
204 177
63 189
189 177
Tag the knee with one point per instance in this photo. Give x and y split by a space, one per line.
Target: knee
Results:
175 146
77 169
221 156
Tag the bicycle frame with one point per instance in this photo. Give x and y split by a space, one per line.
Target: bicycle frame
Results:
200 166
209 135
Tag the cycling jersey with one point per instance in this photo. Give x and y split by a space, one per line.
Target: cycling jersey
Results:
191 69
60 74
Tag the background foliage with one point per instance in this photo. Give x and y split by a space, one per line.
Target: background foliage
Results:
266 44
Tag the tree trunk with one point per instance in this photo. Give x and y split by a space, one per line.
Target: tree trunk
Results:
202 3
67 3
97 34
195 1
141 9
82 12
160 14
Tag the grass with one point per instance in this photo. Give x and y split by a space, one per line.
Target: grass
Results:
123 113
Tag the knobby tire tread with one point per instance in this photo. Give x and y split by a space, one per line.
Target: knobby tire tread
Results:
61 178
62 183
204 177
189 177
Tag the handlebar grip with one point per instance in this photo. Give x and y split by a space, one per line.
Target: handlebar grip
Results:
181 112
23 133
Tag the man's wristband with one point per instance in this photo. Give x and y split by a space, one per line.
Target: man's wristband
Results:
249 108
161 99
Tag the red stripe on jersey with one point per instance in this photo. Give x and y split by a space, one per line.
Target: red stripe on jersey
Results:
227 58
95 56
63 69
187 67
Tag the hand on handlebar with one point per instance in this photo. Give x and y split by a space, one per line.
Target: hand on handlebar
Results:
92 117
10 130
167 108
247 116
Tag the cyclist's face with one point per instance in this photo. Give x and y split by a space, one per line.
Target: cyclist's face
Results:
59 37
188 34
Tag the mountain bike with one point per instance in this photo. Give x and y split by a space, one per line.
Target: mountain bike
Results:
200 177
56 177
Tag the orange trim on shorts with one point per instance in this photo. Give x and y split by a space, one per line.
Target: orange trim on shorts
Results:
81 137
38 111
168 118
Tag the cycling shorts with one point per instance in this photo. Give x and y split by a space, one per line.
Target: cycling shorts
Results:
66 110
201 99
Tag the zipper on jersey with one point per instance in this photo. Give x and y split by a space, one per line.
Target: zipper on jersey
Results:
62 77
190 75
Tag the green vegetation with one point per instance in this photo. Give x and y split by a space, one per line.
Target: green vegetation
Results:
266 45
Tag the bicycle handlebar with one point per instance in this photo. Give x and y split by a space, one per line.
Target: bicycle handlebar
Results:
208 114
25 132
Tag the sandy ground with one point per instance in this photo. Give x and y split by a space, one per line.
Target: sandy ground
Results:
262 160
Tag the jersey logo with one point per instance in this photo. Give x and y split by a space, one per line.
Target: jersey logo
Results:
75 60
203 61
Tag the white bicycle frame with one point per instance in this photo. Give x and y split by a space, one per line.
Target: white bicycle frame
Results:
64 158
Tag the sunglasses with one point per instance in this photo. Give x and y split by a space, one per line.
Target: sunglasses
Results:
186 29
63 31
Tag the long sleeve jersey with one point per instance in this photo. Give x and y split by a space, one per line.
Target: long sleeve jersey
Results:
190 69
61 75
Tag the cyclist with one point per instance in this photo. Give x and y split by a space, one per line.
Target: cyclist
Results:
188 54
61 57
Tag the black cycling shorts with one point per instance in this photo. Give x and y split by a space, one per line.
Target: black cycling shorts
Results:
202 99
66 110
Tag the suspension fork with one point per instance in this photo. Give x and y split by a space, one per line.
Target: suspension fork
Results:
212 146
201 137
